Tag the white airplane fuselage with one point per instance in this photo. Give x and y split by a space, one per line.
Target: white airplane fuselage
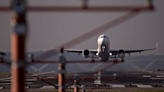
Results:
103 49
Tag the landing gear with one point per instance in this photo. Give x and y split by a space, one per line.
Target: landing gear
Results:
122 59
92 60
115 60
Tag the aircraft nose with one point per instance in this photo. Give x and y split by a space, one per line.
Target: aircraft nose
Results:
105 41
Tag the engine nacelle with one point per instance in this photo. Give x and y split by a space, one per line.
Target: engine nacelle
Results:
121 53
86 53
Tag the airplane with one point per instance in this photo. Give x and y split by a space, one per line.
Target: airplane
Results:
103 52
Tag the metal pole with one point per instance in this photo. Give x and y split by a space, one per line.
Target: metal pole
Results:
83 88
61 73
18 37
76 89
76 83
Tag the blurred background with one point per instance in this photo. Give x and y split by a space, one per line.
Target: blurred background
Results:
51 29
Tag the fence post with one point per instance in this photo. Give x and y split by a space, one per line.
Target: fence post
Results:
18 38
61 72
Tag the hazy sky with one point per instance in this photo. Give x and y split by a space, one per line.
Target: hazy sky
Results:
48 30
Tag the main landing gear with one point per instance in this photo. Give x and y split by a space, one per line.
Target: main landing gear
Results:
115 60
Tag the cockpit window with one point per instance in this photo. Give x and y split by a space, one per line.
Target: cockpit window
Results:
103 36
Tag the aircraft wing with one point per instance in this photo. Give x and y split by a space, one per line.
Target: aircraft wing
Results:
115 52
79 51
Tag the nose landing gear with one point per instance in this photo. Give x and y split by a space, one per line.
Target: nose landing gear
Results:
92 60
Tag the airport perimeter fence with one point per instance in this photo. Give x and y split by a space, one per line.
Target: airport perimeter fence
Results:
19 10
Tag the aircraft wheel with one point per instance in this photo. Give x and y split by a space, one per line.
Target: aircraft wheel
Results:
92 60
115 61
122 59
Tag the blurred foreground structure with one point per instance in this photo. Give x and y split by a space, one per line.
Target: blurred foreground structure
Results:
19 10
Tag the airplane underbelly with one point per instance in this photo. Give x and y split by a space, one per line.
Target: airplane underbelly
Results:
103 56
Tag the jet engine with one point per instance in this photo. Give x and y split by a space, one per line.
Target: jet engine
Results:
86 53
121 53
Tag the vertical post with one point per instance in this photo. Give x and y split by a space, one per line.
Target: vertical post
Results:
61 72
76 89
18 36
76 83
83 88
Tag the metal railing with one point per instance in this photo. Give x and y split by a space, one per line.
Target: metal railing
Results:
19 25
